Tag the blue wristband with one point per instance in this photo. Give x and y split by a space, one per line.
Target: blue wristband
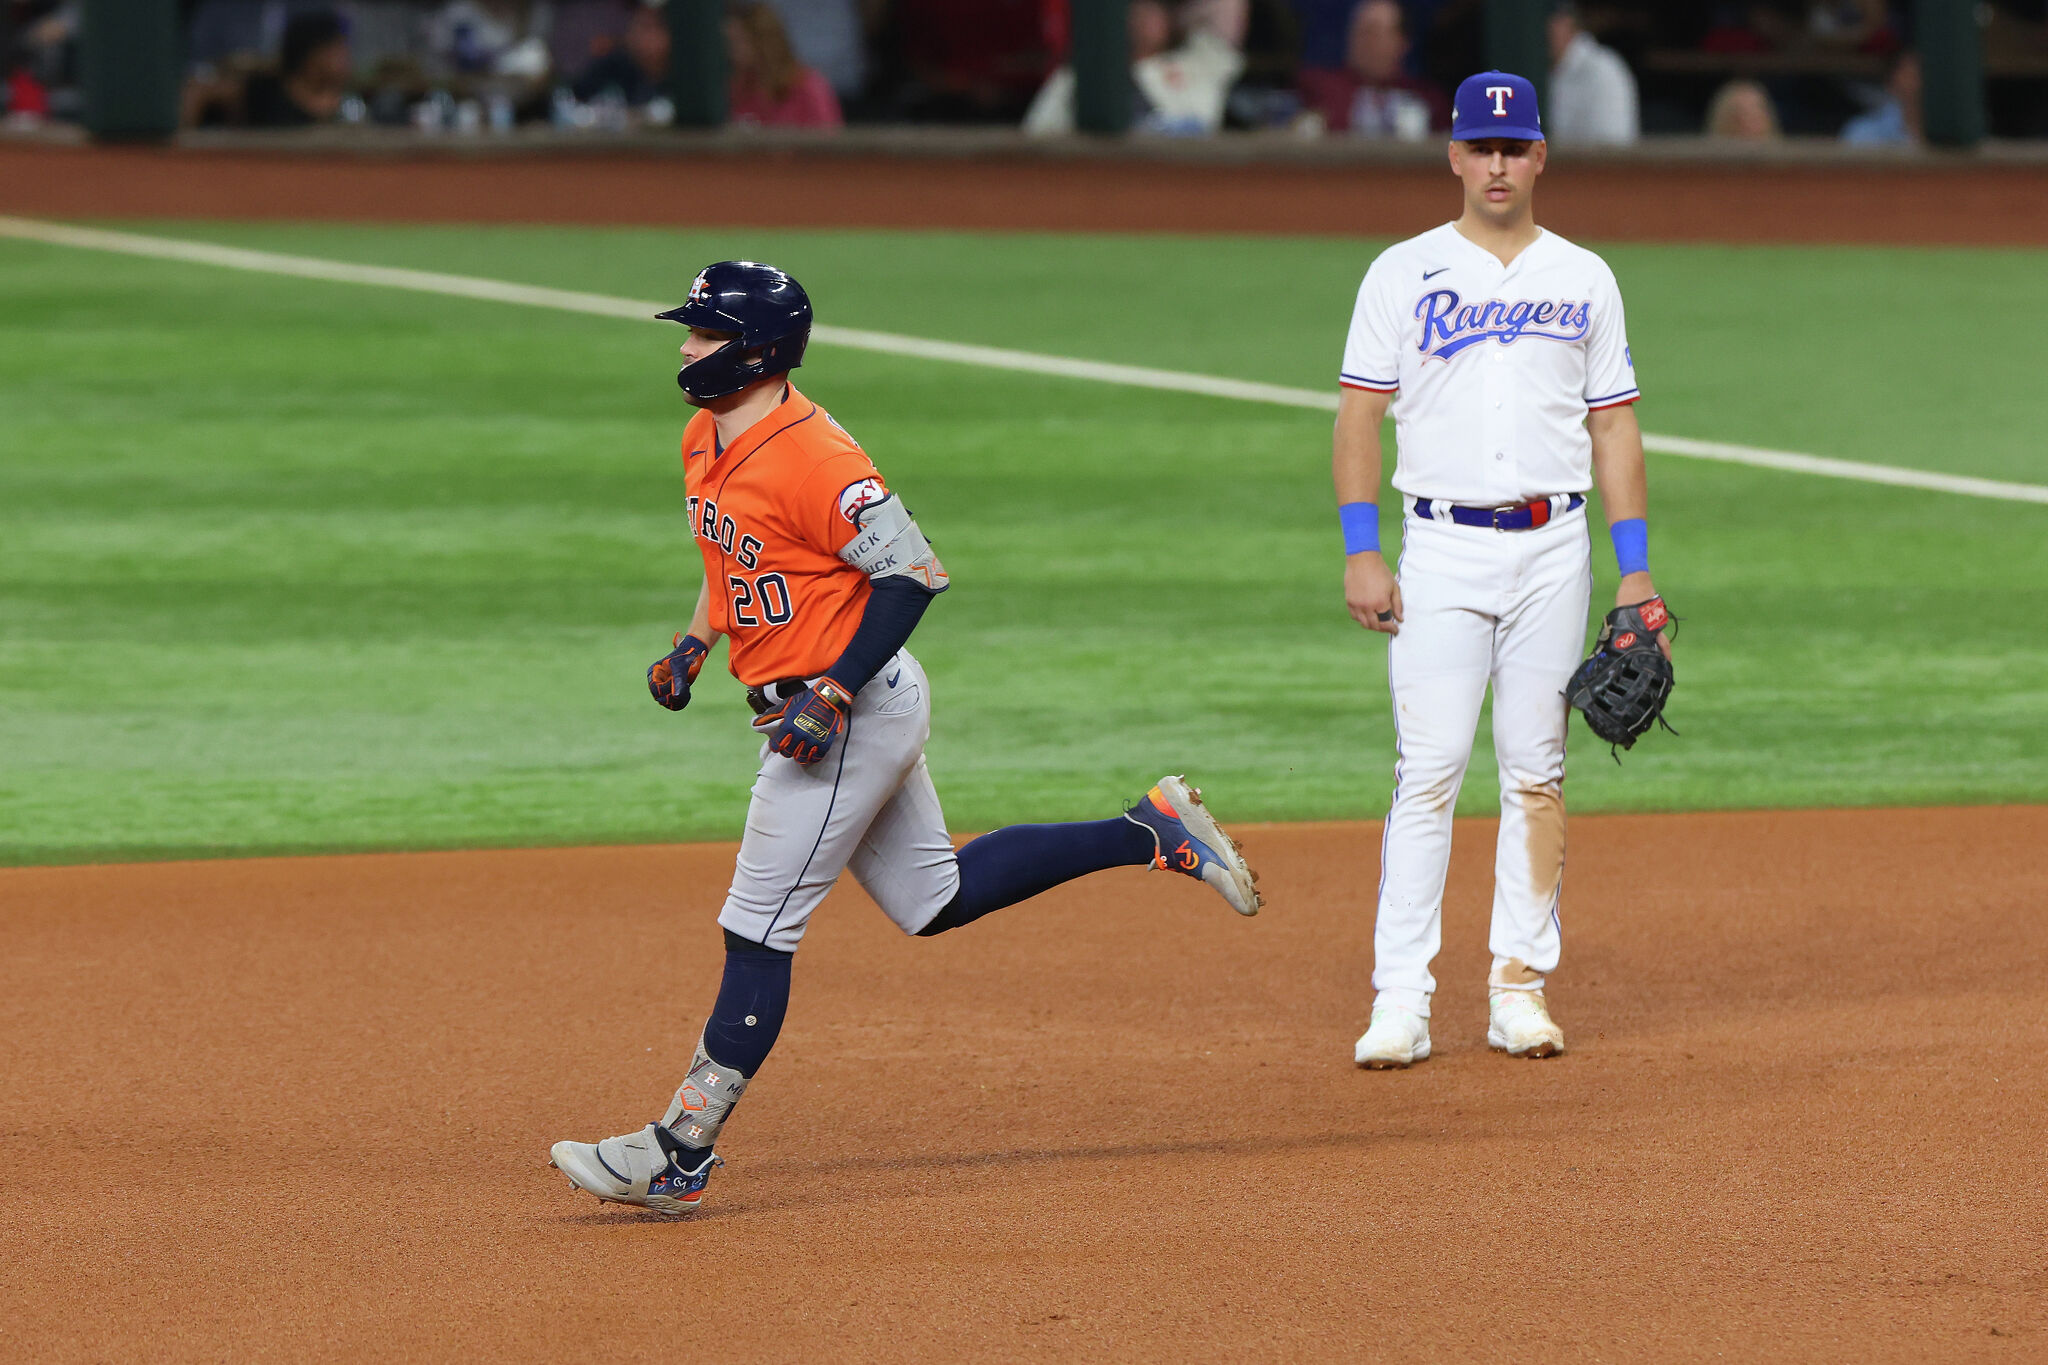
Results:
1631 544
1361 523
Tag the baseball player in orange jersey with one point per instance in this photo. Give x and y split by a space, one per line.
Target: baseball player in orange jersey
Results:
816 574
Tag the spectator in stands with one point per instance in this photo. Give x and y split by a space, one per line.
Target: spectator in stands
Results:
1861 24
582 31
1373 96
505 38
827 34
312 76
1592 96
770 87
223 30
1896 121
636 67
1183 64
1742 110
41 69
951 62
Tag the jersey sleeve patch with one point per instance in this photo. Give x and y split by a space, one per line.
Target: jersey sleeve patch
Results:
858 496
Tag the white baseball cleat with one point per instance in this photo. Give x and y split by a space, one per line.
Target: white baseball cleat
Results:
1519 1024
642 1168
1398 1037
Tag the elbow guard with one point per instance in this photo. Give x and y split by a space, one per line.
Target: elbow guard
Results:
888 544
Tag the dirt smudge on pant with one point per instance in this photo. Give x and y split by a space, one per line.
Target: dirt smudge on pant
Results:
1543 811
1514 972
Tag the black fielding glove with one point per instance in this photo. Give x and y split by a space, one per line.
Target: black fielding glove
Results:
1623 686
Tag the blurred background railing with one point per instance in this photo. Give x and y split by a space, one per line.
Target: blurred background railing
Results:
1901 72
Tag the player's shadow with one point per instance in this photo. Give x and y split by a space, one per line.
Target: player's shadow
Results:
822 1184
1052 1156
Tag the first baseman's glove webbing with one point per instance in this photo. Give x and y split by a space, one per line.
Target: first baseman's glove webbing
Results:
1622 688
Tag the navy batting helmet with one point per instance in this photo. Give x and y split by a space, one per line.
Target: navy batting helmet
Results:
768 309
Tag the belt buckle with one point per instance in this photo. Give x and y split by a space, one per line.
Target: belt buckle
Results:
1500 512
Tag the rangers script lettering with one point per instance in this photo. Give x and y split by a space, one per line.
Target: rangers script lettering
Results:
1448 328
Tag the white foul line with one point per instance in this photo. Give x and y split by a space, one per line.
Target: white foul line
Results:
1793 462
891 343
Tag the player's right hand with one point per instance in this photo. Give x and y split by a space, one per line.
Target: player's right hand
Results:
1371 592
670 678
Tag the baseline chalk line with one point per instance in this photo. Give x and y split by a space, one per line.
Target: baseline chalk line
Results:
951 352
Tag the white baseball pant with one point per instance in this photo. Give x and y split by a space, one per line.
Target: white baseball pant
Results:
1480 606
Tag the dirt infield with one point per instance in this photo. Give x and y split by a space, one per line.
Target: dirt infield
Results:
297 1108
1973 203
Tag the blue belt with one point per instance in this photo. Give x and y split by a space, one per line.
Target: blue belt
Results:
1522 516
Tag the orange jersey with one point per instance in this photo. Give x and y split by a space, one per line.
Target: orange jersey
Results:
771 513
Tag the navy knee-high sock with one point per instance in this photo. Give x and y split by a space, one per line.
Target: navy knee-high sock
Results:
752 1000
1014 864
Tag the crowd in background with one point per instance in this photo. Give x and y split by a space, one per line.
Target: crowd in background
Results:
1367 69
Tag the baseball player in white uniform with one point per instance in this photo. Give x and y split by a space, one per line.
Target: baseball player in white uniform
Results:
1501 350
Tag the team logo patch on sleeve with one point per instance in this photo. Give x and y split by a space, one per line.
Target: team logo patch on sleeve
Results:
857 497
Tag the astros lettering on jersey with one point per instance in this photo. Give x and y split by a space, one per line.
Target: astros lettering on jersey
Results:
1494 366
770 513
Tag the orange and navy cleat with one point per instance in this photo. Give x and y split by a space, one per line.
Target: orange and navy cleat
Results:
1187 839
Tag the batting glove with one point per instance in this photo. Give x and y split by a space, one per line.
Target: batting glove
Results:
812 722
670 678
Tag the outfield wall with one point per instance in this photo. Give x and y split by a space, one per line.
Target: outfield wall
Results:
1674 194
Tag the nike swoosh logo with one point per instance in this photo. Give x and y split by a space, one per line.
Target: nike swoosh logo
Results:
1432 274
894 676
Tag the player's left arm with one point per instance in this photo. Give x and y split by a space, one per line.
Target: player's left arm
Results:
1624 484
1611 392
904 575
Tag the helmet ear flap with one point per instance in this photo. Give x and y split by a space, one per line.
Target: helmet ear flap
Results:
715 375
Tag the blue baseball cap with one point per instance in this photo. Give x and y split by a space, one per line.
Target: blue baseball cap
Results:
1495 104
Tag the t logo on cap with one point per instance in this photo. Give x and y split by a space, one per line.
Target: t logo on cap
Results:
1496 104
